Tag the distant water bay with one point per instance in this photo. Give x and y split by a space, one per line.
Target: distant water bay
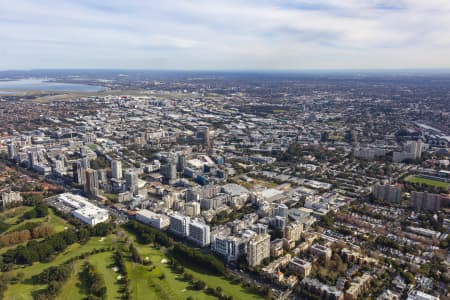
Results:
44 85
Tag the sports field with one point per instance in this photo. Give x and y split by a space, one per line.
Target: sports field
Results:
435 183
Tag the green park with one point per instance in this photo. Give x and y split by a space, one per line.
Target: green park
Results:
156 275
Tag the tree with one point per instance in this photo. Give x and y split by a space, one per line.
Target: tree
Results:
40 251
42 231
40 210
328 219
219 291
93 281
83 235
135 254
199 285
102 229
206 261
409 278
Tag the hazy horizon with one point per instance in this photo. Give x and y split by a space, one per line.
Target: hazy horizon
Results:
281 71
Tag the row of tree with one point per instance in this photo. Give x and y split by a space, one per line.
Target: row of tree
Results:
122 269
146 234
135 256
93 281
194 256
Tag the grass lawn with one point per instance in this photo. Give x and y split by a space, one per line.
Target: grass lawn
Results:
147 284
211 280
22 291
145 281
103 263
436 183
12 215
56 222
72 289
17 291
142 283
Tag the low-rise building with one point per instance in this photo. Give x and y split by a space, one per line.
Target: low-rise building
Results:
300 266
432 234
276 248
148 217
321 251
10 198
91 214
357 287
82 209
293 231
356 257
275 265
418 295
388 295
324 291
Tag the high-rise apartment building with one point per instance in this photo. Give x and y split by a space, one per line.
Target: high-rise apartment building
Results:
258 249
131 179
116 169
79 173
428 201
12 151
388 193
91 186
199 233
192 209
203 134
179 225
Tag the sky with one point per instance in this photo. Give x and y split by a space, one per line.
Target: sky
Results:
225 34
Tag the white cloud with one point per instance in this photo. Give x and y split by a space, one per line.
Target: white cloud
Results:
225 34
